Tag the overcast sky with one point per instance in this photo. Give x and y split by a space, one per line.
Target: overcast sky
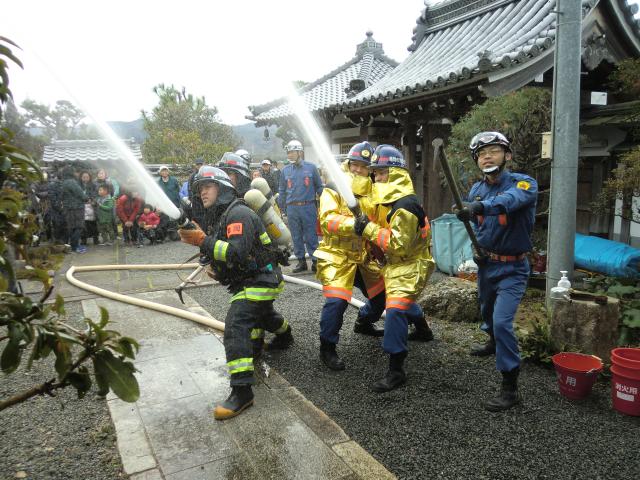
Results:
236 53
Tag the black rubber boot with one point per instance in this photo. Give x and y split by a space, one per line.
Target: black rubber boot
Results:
489 348
240 399
508 396
367 328
329 356
314 266
281 342
300 267
395 377
422 332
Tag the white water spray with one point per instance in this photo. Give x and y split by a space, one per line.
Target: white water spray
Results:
314 134
137 179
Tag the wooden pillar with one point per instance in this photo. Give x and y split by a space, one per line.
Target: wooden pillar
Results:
436 195
409 149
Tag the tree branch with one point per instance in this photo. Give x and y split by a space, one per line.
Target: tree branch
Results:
44 388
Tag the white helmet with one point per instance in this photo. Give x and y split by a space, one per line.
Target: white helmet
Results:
244 154
294 146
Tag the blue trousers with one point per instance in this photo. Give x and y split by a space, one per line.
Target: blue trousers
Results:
332 315
302 225
501 286
396 328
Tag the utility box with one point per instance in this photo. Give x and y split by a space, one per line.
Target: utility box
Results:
546 151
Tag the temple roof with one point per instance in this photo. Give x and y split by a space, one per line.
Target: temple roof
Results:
365 69
86 151
460 41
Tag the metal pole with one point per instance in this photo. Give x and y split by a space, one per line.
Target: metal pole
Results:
564 165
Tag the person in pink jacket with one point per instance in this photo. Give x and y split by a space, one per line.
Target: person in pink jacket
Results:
148 222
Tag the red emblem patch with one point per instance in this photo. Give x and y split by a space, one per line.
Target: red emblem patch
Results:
234 229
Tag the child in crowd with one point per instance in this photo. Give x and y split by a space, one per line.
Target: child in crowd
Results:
128 207
105 215
148 223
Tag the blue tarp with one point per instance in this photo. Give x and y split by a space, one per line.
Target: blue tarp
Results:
606 256
451 244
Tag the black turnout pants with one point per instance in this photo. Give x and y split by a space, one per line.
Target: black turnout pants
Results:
243 319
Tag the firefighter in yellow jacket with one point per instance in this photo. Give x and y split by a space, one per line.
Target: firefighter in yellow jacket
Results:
343 260
400 229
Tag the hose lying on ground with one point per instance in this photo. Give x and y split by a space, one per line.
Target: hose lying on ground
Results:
210 322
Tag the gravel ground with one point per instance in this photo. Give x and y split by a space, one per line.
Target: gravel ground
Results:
435 426
56 438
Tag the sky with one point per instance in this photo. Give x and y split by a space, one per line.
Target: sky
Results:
107 56
110 54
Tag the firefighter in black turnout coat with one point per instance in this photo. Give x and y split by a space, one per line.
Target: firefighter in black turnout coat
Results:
242 258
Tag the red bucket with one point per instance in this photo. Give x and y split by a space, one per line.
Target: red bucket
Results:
625 381
576 373
626 357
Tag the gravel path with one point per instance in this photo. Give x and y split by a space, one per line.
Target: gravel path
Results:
56 438
435 427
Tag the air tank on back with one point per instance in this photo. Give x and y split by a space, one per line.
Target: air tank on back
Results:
262 185
276 228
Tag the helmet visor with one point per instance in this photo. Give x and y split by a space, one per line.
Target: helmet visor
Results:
487 138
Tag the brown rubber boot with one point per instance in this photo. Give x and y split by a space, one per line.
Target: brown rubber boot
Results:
238 401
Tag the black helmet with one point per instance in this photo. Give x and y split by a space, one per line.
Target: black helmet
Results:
235 163
483 139
208 174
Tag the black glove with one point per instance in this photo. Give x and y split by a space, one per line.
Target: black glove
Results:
481 259
360 224
469 209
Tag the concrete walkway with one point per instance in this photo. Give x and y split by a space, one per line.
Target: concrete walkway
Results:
170 432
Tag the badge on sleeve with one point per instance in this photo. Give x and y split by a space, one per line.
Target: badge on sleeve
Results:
234 229
522 185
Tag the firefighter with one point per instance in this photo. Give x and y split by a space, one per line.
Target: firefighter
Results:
300 184
343 260
238 170
400 229
241 258
502 209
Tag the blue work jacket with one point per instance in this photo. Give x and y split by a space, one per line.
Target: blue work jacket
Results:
506 224
299 183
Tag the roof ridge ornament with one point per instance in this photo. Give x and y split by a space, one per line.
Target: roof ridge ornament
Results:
369 46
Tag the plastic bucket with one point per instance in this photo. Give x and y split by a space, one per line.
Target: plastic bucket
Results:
576 373
625 381
626 357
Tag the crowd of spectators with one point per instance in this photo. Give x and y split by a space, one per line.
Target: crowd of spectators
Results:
75 208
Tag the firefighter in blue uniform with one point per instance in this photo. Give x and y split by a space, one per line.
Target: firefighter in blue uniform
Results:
242 258
300 184
502 209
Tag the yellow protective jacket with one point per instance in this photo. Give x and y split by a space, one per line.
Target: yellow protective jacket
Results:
395 228
341 252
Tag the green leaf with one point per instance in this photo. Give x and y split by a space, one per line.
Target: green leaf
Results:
81 380
619 291
63 357
104 317
10 358
125 345
101 380
58 306
631 317
119 374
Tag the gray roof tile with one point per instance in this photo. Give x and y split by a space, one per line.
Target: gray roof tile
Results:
369 65
86 151
459 39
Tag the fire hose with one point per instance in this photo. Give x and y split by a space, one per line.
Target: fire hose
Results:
209 322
